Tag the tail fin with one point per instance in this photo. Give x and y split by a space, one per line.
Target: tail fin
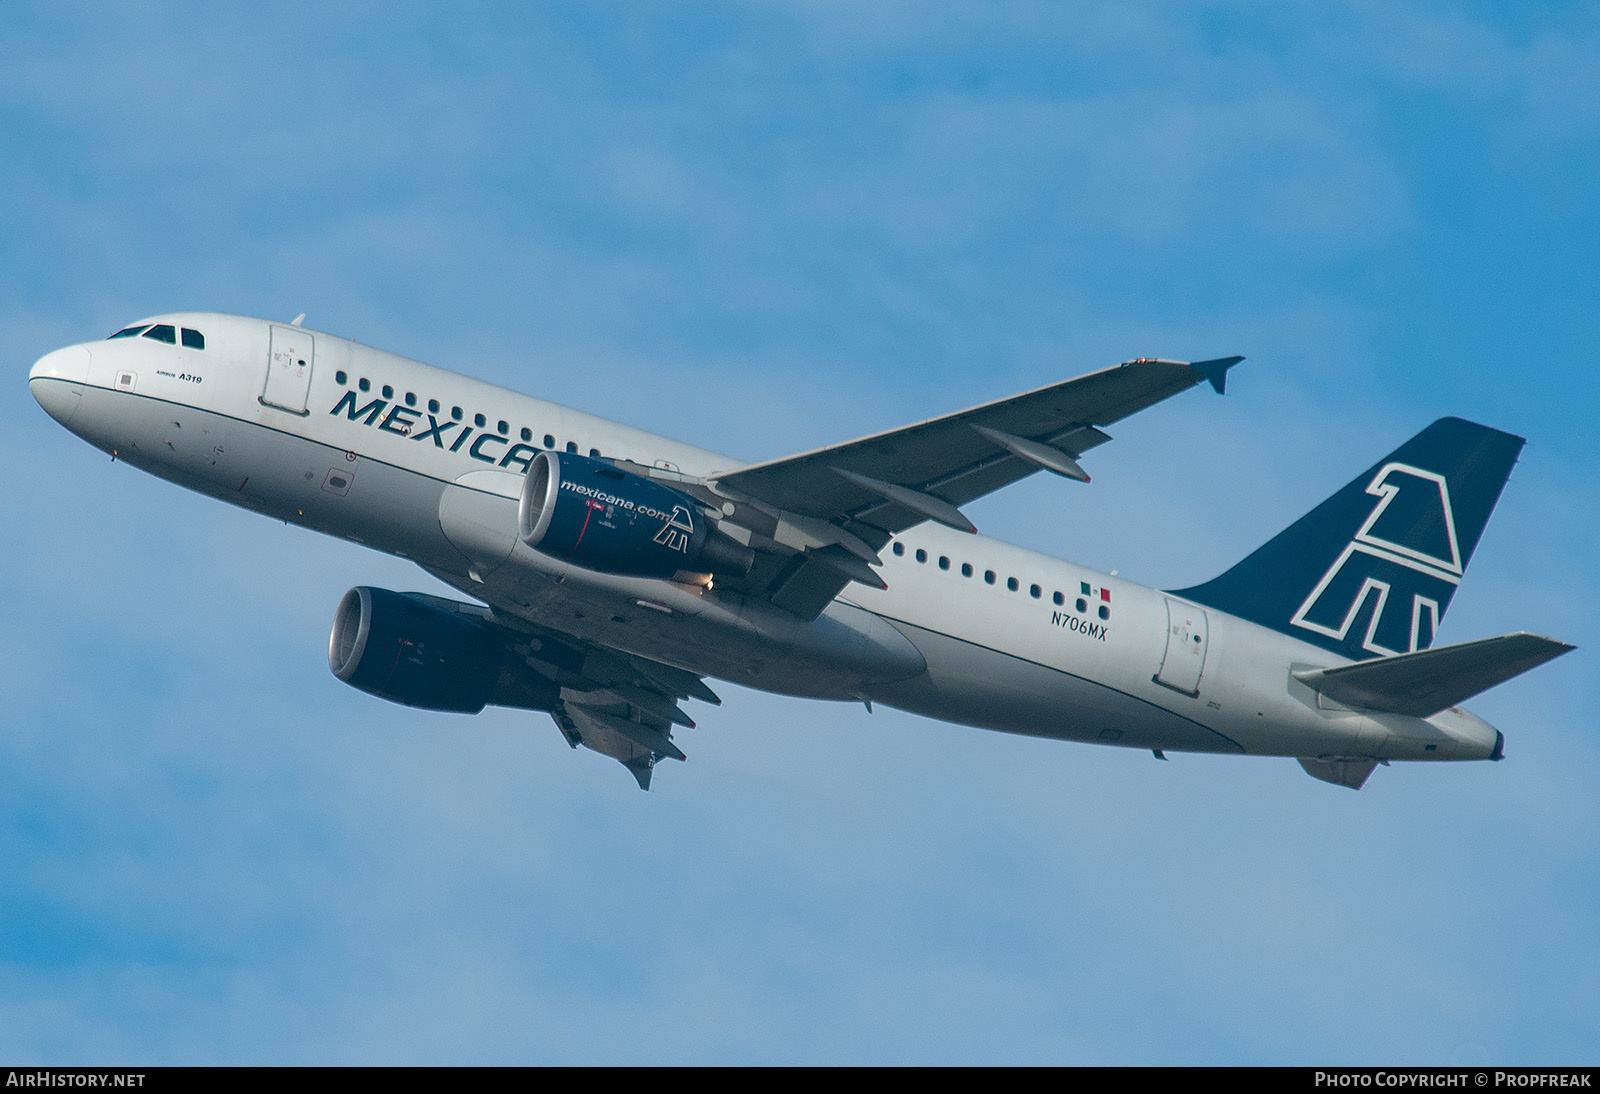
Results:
1370 571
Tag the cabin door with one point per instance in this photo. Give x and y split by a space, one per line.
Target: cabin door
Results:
1185 659
289 362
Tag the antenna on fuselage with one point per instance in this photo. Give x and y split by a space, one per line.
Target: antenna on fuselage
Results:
297 320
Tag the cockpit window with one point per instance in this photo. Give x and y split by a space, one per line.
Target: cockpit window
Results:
193 339
129 332
163 332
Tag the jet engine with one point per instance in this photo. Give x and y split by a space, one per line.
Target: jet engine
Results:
589 512
424 651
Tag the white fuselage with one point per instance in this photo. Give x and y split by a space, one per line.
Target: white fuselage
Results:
427 464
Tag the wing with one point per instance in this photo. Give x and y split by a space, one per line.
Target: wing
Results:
615 703
834 508
618 704
814 523
626 707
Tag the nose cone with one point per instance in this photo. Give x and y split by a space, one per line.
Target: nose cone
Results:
56 381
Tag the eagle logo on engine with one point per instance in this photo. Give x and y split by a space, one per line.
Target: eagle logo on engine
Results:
678 531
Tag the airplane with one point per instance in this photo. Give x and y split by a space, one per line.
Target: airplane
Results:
612 571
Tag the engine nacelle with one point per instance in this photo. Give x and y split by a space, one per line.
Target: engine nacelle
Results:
426 652
589 512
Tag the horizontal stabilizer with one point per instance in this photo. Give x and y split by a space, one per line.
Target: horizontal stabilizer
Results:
1428 681
1340 772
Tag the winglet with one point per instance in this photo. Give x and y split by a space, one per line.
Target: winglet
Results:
1216 371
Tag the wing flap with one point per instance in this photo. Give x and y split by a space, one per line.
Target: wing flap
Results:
615 703
592 719
814 578
1427 681
582 726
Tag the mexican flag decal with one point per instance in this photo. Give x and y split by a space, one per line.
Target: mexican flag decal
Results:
1089 592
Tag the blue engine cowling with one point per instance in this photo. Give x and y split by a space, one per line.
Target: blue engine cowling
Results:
425 652
589 512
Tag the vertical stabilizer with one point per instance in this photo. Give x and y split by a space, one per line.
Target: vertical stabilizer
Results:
1370 571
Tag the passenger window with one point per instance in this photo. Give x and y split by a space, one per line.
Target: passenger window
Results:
193 339
388 391
479 420
364 384
922 556
572 446
594 453
1011 583
988 577
899 549
504 429
1035 592
944 562
1058 599
966 569
411 398
527 434
549 441
128 332
163 332
433 406
455 413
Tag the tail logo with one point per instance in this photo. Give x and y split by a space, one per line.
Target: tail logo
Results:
1406 552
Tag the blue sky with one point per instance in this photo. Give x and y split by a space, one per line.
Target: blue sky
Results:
764 227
